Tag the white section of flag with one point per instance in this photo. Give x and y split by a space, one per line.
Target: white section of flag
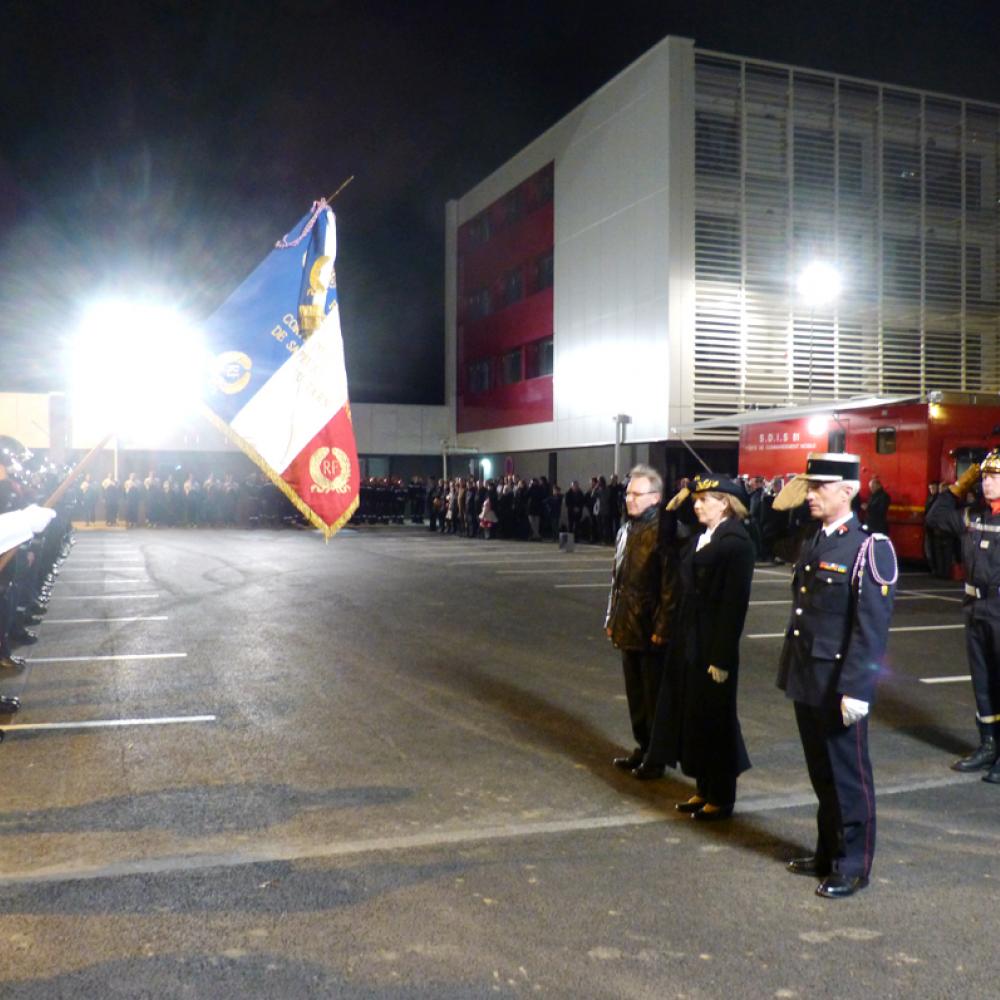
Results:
307 391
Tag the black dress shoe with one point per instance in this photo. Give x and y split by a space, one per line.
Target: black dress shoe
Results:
648 772
808 866
11 662
633 760
993 776
23 636
837 886
32 620
982 757
692 805
713 815
38 609
9 704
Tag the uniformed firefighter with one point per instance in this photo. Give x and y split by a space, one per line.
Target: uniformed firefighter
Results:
843 586
978 528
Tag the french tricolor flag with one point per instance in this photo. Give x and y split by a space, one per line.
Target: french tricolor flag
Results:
279 382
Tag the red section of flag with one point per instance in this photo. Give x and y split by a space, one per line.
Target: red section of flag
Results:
325 474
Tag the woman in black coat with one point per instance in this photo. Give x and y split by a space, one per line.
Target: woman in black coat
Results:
696 720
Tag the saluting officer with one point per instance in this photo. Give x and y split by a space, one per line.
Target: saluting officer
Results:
978 527
843 587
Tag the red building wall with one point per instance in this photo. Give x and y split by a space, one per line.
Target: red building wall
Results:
505 304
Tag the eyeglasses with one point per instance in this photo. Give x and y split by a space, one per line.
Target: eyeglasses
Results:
633 495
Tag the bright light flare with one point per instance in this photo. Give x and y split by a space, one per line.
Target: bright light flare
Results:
137 367
487 466
819 283
817 425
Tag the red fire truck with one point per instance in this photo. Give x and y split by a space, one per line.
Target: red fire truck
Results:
908 442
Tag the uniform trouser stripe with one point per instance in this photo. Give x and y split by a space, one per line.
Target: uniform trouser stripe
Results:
840 772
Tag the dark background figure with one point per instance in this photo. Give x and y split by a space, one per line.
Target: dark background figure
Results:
755 522
641 607
552 512
574 509
133 497
112 497
877 514
939 546
616 498
697 725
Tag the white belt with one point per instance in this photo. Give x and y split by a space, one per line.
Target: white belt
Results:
971 591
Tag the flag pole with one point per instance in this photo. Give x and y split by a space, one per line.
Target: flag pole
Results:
60 490
330 197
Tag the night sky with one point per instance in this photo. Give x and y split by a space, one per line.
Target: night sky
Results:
166 146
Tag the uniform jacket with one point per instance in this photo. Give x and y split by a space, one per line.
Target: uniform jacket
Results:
643 583
979 531
836 637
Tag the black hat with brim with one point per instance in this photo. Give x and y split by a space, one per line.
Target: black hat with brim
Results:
711 483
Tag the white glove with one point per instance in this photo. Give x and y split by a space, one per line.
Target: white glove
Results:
852 710
38 518
717 675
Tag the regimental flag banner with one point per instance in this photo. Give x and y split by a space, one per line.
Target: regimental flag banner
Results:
279 383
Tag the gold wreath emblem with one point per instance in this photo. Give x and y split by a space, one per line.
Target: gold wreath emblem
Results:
330 471
232 372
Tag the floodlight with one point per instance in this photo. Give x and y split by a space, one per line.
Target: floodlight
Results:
819 283
136 367
487 466
818 425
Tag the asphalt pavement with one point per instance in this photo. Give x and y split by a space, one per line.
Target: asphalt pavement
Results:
251 764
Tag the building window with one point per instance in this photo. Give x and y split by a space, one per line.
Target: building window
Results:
901 169
538 358
479 376
545 270
513 286
510 367
885 441
716 145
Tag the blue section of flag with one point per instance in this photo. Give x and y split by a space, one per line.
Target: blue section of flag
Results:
259 321
316 246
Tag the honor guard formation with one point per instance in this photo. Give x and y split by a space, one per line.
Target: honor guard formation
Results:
35 540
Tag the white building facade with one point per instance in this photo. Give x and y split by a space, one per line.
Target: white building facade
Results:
683 201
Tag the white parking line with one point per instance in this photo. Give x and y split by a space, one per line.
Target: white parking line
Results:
92 621
580 586
117 656
263 850
523 572
513 561
945 680
104 597
107 723
900 628
109 579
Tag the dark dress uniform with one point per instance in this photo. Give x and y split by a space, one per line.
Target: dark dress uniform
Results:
842 589
979 532
697 725
640 605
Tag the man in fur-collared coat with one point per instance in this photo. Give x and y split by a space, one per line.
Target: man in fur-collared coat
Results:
641 602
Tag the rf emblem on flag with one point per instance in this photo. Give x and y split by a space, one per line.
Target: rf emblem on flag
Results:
330 469
279 390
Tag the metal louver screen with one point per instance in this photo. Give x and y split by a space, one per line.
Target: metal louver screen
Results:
895 188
